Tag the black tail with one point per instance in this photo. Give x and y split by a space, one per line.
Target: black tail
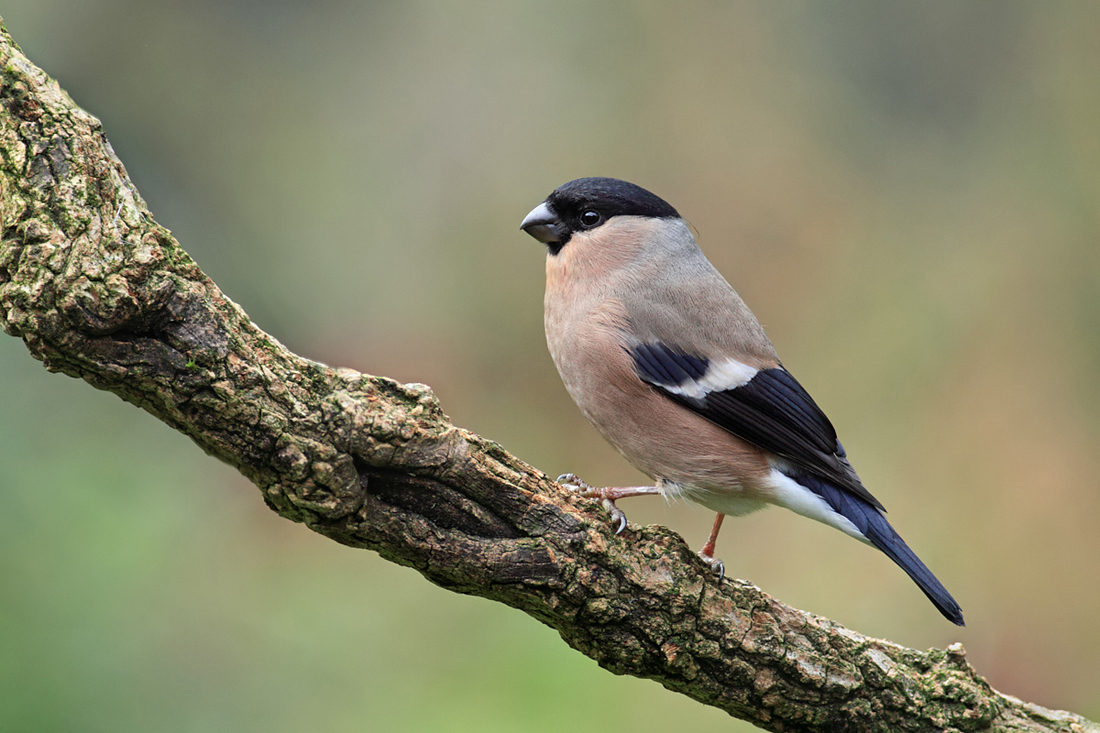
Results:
875 528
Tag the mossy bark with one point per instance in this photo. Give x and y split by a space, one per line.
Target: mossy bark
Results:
98 290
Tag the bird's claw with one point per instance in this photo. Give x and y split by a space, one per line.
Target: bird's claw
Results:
714 563
617 516
572 481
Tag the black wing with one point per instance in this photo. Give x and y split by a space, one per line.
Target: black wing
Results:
771 410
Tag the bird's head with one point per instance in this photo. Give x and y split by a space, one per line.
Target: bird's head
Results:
586 204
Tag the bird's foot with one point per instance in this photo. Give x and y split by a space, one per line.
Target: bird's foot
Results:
606 495
707 553
715 564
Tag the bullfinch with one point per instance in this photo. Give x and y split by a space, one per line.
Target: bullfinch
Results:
667 362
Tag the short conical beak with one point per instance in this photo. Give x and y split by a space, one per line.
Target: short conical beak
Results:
543 224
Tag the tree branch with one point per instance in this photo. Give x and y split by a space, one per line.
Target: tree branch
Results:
98 290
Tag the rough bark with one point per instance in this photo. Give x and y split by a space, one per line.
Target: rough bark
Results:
98 290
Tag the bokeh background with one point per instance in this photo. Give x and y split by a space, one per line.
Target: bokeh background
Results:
906 194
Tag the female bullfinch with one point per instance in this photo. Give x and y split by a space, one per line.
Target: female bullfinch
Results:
668 363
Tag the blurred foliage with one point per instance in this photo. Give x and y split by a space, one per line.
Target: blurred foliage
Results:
906 194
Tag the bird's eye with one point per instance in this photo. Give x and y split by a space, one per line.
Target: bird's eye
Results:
591 218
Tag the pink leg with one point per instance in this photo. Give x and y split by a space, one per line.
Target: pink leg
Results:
608 495
707 553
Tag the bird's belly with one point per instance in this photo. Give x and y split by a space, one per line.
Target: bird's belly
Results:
676 447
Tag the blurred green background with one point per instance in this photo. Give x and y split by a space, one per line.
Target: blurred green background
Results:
906 194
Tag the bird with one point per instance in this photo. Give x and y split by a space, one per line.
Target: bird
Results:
668 363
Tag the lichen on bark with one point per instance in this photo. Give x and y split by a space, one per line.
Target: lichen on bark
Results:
96 289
